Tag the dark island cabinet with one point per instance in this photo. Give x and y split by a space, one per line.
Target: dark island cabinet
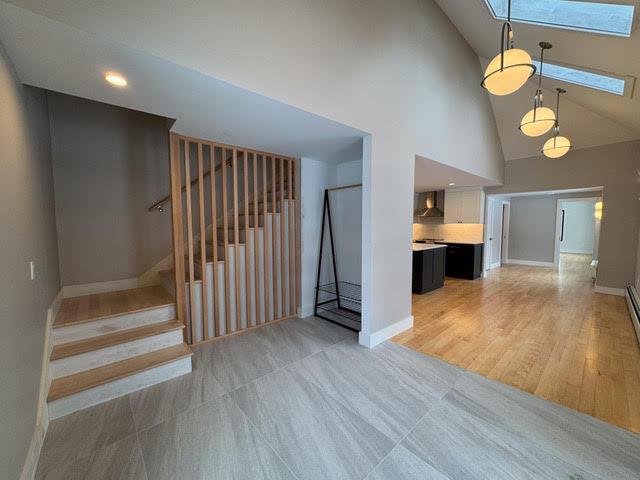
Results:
464 260
428 269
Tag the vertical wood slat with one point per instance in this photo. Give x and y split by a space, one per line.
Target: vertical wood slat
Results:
247 263
291 252
267 289
203 246
283 273
225 236
177 231
273 237
298 223
192 293
236 240
256 229
214 239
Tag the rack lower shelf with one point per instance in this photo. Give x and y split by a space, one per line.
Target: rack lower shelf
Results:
341 305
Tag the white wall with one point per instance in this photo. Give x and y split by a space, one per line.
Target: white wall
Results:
346 210
398 70
579 227
315 176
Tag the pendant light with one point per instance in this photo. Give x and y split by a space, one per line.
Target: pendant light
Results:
511 68
557 146
541 119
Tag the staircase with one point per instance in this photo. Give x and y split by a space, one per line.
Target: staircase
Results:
110 344
240 266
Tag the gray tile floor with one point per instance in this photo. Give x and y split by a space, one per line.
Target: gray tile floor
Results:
301 400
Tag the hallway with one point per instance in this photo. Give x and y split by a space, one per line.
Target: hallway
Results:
540 330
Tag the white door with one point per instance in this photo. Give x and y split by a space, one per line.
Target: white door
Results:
504 253
496 233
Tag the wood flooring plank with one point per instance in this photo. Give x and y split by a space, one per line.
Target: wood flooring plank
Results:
542 330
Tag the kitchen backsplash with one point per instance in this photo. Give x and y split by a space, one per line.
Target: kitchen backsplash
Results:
451 232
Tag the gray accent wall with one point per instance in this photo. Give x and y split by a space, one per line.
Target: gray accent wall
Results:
28 233
110 165
614 167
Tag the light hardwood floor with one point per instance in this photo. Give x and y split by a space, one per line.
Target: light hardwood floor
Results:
541 330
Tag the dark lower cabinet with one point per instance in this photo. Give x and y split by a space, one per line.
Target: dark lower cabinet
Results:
464 260
428 269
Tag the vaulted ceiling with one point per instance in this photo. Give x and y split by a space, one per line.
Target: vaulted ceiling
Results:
589 117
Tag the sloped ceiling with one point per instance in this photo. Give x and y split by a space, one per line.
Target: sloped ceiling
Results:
588 117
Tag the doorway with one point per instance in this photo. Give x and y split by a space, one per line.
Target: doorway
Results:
497 232
577 228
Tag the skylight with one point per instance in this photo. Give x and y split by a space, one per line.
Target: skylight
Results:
582 77
604 18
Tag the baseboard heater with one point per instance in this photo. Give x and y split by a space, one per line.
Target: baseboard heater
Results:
633 301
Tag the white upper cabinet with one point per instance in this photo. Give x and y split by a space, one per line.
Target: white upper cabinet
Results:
464 206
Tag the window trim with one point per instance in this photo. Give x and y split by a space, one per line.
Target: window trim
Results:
563 26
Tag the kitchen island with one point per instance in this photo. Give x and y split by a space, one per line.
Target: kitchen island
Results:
428 267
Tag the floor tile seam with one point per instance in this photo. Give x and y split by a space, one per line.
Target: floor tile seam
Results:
262 437
514 431
400 444
217 397
144 463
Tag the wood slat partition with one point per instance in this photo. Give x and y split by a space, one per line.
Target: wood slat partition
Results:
256 240
292 251
283 289
247 275
269 262
267 287
203 245
225 233
274 264
177 230
192 292
214 238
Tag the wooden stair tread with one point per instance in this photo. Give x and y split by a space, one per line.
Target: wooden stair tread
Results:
98 306
123 336
79 382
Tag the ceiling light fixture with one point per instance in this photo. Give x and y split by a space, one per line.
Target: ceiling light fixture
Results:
557 146
452 184
511 68
541 119
115 79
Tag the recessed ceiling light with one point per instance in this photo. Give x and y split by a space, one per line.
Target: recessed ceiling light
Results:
115 79
452 184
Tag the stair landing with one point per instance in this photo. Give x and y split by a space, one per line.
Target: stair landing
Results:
103 305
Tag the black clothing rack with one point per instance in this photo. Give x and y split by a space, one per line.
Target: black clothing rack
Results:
338 301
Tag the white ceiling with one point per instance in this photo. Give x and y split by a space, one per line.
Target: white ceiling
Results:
588 117
431 175
55 56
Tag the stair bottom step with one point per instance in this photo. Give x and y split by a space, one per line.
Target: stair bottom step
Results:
91 387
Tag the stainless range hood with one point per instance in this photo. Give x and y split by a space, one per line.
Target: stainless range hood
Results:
429 204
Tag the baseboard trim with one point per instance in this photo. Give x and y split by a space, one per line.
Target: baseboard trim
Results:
99 287
42 414
620 292
530 263
305 311
632 303
577 252
386 333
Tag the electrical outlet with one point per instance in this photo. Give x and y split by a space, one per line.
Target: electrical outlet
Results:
32 270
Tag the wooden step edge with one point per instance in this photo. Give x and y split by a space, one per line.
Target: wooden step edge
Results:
77 347
80 382
112 315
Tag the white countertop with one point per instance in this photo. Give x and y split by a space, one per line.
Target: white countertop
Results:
417 247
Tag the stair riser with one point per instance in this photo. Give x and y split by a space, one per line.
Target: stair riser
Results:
114 353
94 328
117 388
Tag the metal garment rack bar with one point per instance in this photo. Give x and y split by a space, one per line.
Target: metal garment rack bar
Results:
338 301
